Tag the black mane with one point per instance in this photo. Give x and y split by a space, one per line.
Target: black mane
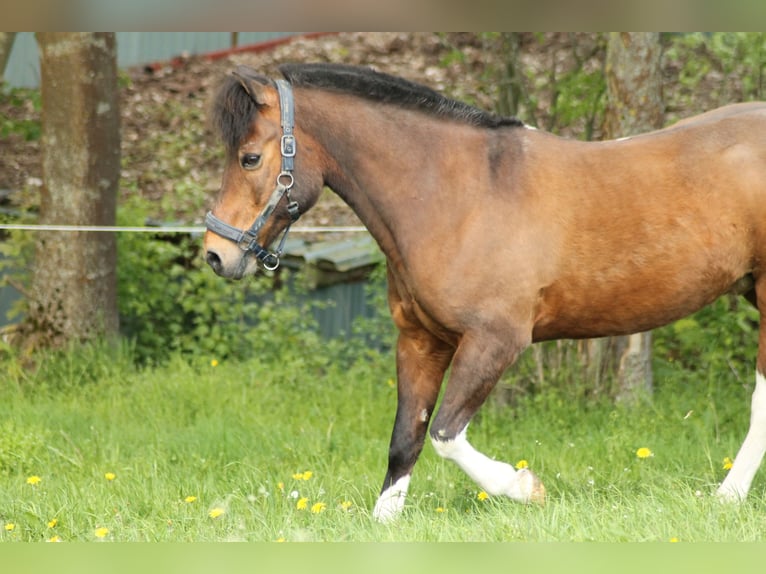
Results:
233 110
376 86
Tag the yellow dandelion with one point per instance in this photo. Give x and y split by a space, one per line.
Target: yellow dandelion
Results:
10 527
303 475
214 363
644 452
302 503
346 504
216 512
53 522
318 507
190 499
110 476
674 539
522 464
727 463
482 496
391 383
280 539
33 480
281 486
441 509
101 532
56 538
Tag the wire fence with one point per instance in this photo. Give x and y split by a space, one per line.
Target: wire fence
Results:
164 228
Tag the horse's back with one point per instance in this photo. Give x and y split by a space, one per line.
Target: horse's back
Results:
656 226
751 109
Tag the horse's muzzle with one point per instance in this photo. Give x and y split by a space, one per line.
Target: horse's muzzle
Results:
230 270
214 260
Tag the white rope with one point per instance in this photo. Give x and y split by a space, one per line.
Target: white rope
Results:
164 229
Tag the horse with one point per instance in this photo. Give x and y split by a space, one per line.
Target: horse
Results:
496 235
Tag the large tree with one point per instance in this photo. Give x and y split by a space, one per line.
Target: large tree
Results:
73 286
634 106
620 366
6 43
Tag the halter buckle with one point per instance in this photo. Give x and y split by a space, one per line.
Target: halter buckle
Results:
248 242
288 145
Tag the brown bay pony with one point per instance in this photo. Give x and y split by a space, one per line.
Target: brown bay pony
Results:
496 235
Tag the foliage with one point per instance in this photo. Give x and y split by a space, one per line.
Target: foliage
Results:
725 67
20 124
171 156
170 301
722 337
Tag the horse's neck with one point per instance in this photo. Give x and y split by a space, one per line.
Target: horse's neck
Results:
387 163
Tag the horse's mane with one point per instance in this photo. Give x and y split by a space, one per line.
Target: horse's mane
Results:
379 87
233 109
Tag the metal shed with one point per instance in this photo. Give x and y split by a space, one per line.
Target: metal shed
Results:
337 272
133 48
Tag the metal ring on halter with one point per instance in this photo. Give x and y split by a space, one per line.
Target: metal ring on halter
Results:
273 266
288 176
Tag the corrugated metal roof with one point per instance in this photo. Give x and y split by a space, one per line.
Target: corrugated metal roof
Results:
133 48
329 262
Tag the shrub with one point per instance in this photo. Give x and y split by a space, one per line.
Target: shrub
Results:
170 301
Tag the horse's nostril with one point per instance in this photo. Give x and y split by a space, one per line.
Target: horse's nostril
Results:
214 261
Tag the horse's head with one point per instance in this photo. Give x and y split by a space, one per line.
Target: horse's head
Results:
266 183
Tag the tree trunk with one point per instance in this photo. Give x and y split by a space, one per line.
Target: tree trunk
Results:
73 287
6 43
634 105
634 84
510 78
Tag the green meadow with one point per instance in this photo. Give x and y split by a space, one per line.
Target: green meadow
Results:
293 447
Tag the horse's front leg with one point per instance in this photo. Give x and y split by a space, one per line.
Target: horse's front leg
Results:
737 483
421 361
479 362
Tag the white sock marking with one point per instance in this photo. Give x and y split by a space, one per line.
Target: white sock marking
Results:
750 454
391 501
493 476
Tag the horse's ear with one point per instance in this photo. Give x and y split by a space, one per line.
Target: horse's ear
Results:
257 87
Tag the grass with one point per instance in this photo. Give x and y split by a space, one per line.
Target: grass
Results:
249 440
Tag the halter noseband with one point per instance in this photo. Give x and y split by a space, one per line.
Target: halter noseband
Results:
247 240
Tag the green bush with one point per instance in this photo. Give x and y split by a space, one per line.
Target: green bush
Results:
170 301
722 337
23 100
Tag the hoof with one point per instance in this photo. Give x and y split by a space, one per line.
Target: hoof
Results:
531 486
729 496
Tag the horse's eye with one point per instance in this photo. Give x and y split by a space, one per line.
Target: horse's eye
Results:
250 161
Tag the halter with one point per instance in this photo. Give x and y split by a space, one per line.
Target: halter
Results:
247 240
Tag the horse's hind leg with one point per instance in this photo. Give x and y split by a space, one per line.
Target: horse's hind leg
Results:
478 364
748 459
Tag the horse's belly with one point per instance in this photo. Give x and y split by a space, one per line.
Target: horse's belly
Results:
602 312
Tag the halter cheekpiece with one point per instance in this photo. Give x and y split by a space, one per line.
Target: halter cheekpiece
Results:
247 240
